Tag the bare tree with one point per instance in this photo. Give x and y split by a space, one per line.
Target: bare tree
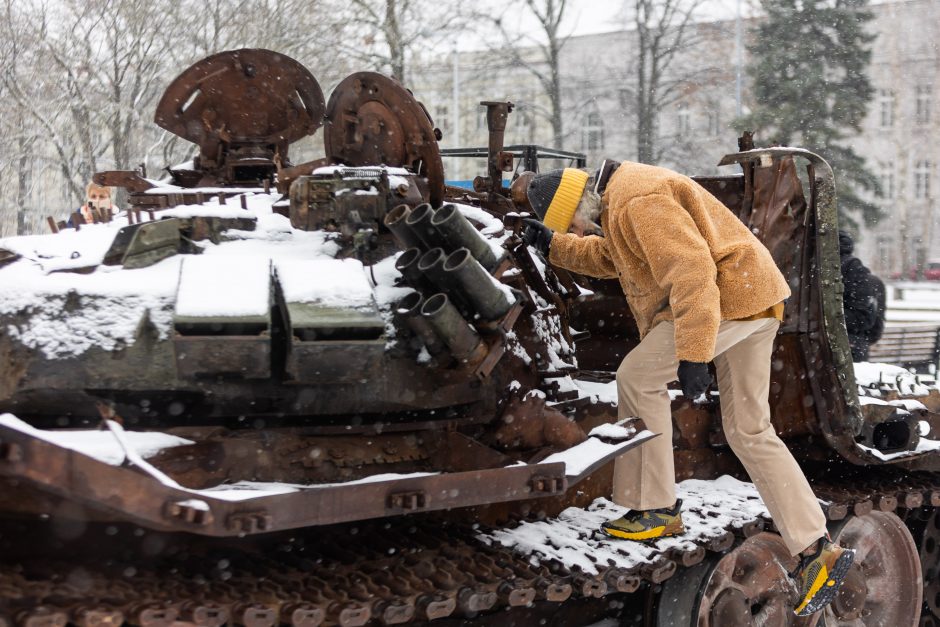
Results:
33 101
541 55
79 81
97 63
388 33
665 31
17 139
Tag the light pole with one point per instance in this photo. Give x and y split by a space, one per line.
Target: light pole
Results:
455 115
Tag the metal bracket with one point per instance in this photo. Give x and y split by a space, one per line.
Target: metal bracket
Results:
408 501
189 512
548 485
249 522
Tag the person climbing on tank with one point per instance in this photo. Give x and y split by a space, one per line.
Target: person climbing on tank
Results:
702 289
863 300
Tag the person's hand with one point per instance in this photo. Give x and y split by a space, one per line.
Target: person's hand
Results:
694 379
537 235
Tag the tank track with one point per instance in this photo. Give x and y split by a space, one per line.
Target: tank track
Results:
390 572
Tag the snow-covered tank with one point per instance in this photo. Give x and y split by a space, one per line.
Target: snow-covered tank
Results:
292 357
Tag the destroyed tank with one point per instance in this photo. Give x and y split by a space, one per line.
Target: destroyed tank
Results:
345 393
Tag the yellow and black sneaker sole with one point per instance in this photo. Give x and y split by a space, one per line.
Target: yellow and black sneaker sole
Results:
824 588
654 533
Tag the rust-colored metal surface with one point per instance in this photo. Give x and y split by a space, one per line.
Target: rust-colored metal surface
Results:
397 571
497 162
882 587
373 120
925 528
242 100
244 108
144 495
748 586
433 573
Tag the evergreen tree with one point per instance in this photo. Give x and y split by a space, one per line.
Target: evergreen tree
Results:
810 88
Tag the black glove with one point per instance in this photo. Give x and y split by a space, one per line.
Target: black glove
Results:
694 379
537 235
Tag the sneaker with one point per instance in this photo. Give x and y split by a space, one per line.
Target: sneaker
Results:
820 576
647 524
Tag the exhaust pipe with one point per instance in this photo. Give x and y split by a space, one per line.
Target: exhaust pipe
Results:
409 311
397 222
487 297
458 233
419 221
407 264
463 342
889 429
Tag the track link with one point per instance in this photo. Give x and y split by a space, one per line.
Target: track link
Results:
391 572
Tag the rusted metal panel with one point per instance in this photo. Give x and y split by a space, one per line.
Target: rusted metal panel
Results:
136 494
374 120
130 180
335 362
227 355
144 244
206 105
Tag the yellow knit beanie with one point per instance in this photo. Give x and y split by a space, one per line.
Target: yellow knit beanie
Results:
555 195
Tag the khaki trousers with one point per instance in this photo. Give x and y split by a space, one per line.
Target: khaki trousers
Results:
644 478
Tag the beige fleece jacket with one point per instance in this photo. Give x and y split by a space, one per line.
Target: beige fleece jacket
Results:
679 254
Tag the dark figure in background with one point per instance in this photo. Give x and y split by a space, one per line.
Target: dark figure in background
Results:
863 300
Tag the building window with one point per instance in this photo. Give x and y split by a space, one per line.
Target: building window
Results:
624 98
441 117
922 179
886 179
886 106
714 121
592 134
924 97
683 120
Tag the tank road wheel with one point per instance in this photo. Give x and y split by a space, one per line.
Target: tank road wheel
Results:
750 585
883 586
924 524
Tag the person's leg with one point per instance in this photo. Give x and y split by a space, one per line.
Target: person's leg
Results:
743 384
644 478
